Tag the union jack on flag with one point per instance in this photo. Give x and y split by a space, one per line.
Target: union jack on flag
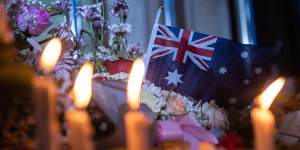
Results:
182 45
207 67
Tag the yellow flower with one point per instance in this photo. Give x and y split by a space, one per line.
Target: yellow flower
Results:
148 98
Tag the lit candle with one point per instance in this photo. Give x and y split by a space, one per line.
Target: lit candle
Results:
50 55
136 122
263 119
44 99
79 123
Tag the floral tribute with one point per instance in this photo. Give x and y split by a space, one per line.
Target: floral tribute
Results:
102 42
169 105
106 46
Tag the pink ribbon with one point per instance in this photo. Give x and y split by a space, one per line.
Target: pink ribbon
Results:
184 128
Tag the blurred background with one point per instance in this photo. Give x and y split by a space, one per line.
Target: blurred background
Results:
267 23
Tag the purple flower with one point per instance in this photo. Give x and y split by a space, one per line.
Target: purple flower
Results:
91 12
61 5
119 8
135 51
81 41
100 23
63 31
33 20
136 48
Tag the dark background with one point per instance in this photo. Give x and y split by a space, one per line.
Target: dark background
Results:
277 26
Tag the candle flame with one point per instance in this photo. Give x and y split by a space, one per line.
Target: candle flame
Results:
267 97
82 89
50 55
134 83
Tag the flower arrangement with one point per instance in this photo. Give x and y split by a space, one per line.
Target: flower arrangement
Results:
106 46
119 9
32 20
100 43
169 105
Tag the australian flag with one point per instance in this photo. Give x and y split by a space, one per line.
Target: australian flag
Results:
207 67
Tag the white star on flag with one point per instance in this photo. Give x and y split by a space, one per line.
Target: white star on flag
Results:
232 100
174 77
223 70
258 70
244 55
246 81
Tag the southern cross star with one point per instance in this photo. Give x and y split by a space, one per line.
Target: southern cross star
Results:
174 78
223 70
244 55
232 100
246 81
258 70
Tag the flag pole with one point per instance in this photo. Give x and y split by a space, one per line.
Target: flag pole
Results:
152 38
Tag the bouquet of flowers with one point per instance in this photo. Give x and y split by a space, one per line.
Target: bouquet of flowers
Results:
33 25
105 45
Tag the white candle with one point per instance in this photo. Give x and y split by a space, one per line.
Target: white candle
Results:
79 123
263 119
44 99
136 122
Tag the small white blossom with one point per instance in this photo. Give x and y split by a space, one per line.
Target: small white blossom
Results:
119 76
104 54
88 56
258 70
122 28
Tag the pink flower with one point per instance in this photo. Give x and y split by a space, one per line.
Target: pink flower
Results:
33 20
176 103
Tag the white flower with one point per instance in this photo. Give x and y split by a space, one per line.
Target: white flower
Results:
149 99
216 117
88 56
104 54
119 76
122 28
103 49
104 74
189 105
169 104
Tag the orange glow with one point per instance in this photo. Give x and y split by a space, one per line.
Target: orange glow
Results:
50 55
134 84
267 97
82 89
